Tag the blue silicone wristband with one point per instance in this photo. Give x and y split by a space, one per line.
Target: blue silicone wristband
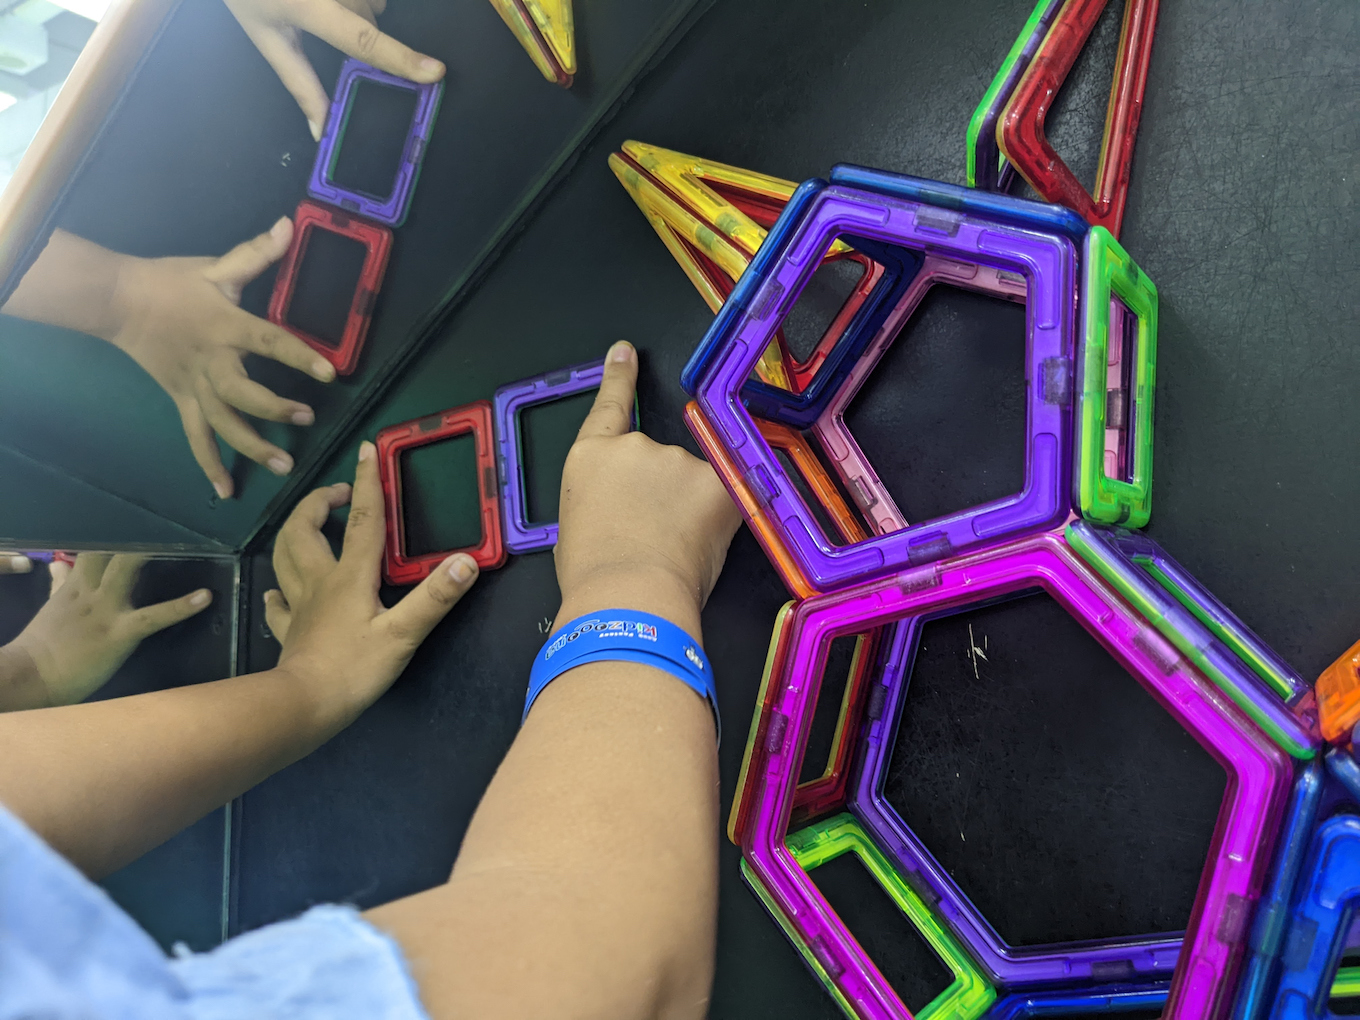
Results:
623 635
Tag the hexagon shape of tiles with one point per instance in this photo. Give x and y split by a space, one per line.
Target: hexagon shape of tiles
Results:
1259 777
897 221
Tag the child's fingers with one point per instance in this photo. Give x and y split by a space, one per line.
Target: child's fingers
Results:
365 533
121 575
89 568
285 56
239 435
152 619
612 414
58 571
259 336
15 563
277 615
331 22
300 547
251 258
412 619
203 445
238 390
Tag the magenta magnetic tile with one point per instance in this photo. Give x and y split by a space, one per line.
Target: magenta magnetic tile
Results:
1259 774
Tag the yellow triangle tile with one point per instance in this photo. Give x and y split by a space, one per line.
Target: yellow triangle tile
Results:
683 233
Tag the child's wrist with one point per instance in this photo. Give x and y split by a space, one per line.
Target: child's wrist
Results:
125 296
649 589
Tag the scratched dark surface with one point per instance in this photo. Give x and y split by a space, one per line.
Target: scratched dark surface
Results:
1242 210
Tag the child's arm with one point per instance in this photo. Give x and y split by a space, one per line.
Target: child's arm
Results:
84 632
107 781
587 882
179 318
350 26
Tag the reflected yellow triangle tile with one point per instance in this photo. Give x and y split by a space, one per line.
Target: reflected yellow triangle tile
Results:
554 22
544 29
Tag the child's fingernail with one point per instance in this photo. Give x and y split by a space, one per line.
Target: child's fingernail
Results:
222 489
304 416
280 465
20 564
462 568
279 227
428 65
315 129
365 450
323 370
201 598
621 352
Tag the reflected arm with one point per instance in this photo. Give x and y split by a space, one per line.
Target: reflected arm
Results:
105 781
74 284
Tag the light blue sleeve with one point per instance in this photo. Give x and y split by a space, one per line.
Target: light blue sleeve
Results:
68 951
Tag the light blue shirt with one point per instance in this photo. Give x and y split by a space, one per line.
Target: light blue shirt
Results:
68 951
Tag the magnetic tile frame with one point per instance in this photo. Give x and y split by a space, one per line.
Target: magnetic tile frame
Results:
1048 264
965 998
1112 281
860 478
1020 131
399 567
509 402
713 218
780 437
1259 773
388 209
377 241
828 791
546 30
985 167
1205 630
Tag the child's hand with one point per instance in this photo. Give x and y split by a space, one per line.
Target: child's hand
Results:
337 637
88 628
348 25
179 319
643 526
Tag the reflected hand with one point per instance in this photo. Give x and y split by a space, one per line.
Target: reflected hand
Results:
348 25
642 526
88 628
14 563
337 636
179 318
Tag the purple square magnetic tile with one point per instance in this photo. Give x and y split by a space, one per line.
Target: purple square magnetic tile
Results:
392 207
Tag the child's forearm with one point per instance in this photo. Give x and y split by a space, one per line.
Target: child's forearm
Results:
587 882
105 781
74 284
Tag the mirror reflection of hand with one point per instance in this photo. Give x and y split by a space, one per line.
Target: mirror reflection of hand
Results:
181 321
14 563
348 25
88 627
337 637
